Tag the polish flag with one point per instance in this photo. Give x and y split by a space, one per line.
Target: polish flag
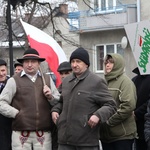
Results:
47 47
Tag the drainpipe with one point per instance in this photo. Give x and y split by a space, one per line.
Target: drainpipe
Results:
138 10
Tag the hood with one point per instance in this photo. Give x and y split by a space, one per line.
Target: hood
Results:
119 66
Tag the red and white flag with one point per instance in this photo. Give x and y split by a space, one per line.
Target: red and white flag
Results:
47 47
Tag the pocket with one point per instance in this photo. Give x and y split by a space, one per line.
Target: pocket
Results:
117 131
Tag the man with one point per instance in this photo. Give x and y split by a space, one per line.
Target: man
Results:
26 98
84 104
5 123
18 67
64 69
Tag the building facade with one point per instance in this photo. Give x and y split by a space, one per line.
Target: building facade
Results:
101 28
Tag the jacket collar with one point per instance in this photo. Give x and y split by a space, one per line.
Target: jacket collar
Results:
81 77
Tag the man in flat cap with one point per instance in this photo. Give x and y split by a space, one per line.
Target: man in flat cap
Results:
18 67
5 123
64 69
26 98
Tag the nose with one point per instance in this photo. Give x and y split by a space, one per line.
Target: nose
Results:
29 63
73 64
107 64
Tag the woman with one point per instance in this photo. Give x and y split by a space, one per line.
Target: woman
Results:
119 132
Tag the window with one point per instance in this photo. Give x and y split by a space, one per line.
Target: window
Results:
101 6
102 50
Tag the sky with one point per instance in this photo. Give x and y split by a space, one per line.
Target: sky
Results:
72 6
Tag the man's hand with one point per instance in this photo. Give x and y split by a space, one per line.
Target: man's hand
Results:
93 121
55 116
47 92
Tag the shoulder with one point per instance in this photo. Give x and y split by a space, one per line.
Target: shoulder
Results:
95 76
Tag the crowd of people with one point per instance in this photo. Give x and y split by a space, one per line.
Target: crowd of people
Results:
83 110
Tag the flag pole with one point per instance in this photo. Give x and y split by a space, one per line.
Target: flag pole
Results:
43 79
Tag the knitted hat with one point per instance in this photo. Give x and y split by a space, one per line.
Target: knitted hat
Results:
3 62
30 54
82 54
64 66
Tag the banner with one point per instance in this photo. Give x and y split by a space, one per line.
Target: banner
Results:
139 38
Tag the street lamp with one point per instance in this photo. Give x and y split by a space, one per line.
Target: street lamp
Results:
14 3
8 21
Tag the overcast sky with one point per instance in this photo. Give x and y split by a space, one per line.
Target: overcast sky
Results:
72 6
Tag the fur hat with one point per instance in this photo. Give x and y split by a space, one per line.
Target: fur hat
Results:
82 54
30 54
3 62
64 66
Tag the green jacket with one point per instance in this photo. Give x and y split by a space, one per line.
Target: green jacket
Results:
122 124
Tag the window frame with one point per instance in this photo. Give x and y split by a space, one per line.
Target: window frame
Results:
106 9
95 59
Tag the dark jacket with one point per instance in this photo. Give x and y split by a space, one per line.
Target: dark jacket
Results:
147 124
143 95
81 98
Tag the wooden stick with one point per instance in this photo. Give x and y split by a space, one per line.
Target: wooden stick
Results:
43 79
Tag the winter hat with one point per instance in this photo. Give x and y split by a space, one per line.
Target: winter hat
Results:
64 66
30 54
3 62
82 54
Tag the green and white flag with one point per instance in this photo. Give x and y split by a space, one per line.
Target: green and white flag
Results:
139 38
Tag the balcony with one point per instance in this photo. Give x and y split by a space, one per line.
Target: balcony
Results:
106 19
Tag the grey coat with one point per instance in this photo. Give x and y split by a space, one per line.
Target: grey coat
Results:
81 98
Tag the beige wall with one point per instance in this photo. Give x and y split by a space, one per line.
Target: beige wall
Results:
90 39
145 6
69 40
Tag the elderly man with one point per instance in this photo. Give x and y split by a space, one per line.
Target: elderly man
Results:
26 98
84 104
5 123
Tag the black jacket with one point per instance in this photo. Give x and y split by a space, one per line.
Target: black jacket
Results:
143 95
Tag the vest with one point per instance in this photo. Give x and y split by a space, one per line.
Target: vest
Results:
34 108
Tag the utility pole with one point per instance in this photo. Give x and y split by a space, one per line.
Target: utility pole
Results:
8 20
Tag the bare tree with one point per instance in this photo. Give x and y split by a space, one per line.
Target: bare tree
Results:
30 9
